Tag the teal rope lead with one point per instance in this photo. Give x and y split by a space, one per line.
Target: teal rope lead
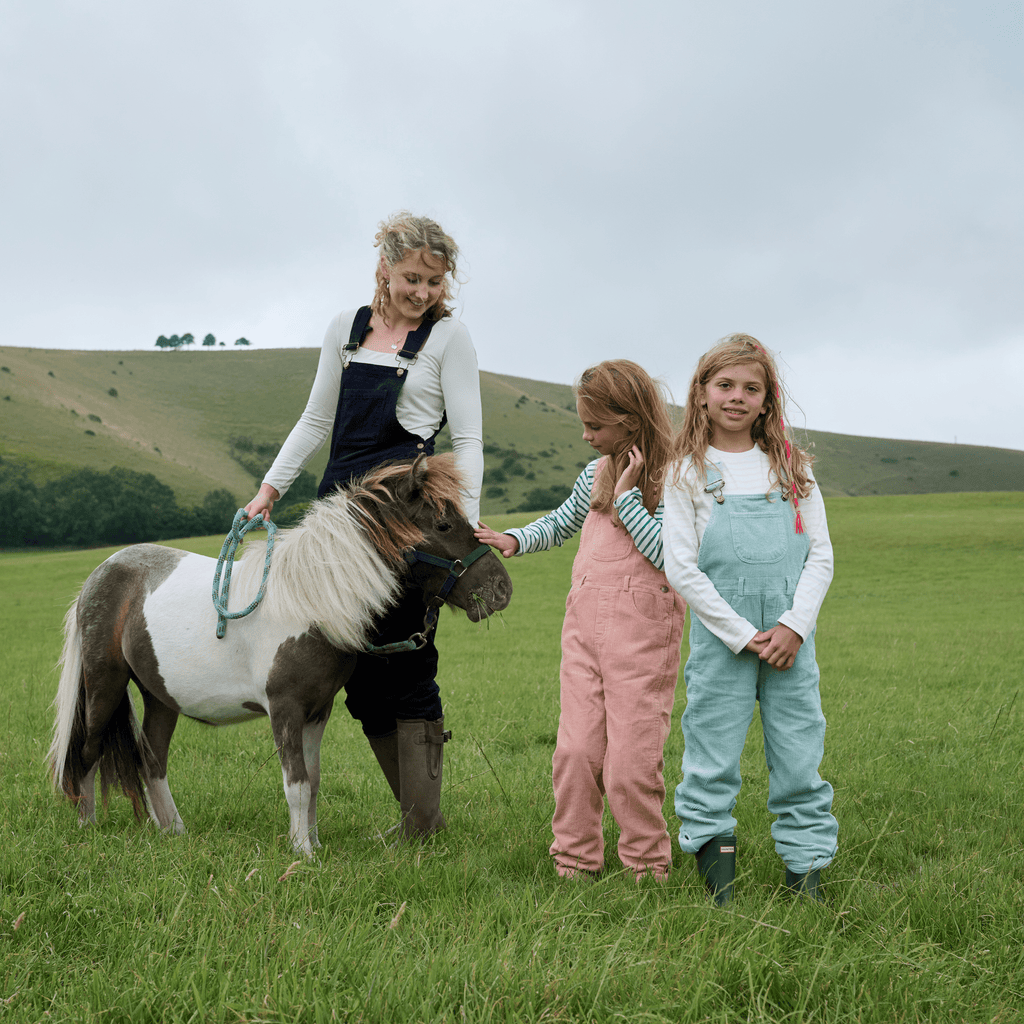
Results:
227 554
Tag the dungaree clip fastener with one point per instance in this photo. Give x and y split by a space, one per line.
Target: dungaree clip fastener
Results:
715 488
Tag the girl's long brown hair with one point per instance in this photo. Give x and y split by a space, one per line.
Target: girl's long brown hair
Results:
619 391
789 463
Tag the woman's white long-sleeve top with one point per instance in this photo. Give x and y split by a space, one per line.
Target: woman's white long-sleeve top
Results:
688 509
554 529
445 376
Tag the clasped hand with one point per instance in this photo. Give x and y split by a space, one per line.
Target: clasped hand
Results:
778 646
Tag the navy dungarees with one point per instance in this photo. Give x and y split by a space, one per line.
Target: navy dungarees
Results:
366 434
366 429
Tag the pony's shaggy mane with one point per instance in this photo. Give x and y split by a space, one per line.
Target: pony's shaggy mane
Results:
378 496
436 477
325 571
339 568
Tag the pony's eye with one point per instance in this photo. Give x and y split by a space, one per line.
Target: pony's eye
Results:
444 526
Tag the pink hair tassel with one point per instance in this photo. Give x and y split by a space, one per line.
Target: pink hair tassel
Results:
789 462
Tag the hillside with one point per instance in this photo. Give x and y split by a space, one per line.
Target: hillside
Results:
173 414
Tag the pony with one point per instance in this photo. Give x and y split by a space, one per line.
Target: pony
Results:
146 614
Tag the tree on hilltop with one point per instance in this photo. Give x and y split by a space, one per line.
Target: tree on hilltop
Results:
188 339
209 340
243 341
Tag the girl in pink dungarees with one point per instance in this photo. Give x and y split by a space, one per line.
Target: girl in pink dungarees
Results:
622 630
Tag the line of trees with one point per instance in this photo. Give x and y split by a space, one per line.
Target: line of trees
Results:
86 508
184 340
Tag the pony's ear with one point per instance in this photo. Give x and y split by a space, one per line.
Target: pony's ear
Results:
413 483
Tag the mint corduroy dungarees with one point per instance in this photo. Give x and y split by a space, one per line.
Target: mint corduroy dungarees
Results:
753 555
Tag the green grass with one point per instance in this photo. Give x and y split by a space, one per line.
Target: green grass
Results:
175 411
920 649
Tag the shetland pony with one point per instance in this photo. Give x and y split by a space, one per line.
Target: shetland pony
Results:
146 614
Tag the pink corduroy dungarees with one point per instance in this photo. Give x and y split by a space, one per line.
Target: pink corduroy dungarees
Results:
620 661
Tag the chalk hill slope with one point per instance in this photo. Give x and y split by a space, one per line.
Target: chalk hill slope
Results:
189 417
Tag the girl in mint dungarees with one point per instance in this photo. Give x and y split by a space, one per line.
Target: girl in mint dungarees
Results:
622 630
747 546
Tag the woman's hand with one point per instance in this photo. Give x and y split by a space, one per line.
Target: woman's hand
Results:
504 542
263 502
778 646
631 474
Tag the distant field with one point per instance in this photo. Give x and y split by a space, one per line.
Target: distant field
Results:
175 411
920 648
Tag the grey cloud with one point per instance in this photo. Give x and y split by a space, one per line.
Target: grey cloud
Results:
842 181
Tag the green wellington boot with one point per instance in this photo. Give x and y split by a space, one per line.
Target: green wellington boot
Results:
385 749
716 862
809 885
420 761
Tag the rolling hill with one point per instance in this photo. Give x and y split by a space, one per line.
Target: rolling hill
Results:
181 414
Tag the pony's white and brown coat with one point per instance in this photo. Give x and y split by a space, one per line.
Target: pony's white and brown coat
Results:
146 614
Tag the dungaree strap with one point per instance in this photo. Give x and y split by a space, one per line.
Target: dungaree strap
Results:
414 340
359 325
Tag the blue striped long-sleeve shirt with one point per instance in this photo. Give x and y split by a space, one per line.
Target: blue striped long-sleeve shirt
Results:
554 529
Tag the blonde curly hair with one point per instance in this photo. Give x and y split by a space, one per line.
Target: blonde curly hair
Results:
399 236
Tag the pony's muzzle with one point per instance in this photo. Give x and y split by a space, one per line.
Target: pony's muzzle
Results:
492 596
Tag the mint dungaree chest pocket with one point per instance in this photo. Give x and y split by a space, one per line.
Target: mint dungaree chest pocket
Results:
758 537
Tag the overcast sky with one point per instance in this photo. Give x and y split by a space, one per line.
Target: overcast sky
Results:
844 181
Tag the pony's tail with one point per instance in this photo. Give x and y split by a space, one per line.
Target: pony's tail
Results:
69 724
121 749
122 755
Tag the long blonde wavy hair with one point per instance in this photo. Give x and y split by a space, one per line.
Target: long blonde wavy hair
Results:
789 463
399 236
619 391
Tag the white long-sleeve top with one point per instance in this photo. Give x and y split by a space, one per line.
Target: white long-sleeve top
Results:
688 508
444 376
554 529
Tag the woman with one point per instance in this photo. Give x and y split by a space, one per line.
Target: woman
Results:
390 375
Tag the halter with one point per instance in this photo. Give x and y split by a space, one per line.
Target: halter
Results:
456 567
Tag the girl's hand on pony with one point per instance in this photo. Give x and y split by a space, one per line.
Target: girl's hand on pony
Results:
504 542
631 474
778 646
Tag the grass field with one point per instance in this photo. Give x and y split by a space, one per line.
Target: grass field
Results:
920 648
